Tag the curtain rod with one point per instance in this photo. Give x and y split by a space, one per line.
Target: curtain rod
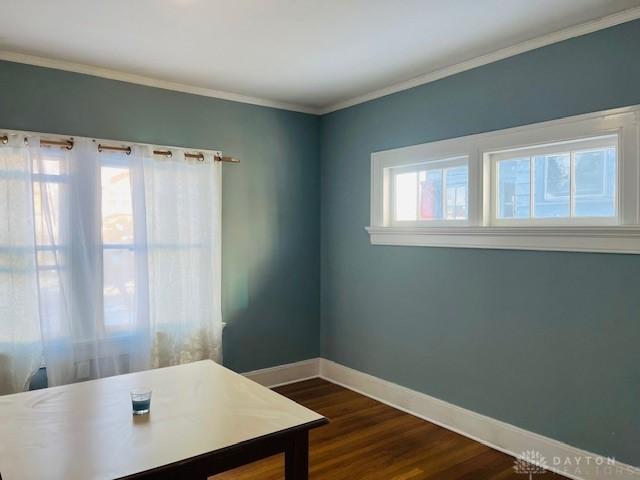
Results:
68 144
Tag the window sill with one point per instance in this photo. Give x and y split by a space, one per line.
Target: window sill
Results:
604 239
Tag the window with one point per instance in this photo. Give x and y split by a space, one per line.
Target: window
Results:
49 180
109 257
430 192
55 250
569 184
118 255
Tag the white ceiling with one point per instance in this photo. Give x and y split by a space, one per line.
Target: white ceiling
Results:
314 54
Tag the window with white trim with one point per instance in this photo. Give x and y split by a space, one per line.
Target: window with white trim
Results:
565 183
430 193
569 184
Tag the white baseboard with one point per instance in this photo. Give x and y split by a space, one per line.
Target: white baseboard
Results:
285 374
561 458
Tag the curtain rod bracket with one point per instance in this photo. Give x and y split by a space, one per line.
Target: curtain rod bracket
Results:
224 159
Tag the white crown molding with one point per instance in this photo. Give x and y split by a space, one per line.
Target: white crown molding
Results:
148 81
565 34
555 37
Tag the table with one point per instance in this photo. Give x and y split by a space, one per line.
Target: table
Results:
204 419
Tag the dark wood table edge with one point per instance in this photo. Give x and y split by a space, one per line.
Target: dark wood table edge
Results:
293 442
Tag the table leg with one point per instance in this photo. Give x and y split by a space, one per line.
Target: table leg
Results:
296 457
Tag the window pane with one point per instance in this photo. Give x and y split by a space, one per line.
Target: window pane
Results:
118 263
552 185
514 188
406 191
431 195
46 208
53 306
457 181
50 258
119 288
117 212
48 165
595 180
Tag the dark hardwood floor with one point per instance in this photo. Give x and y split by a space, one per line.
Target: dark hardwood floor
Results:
367 440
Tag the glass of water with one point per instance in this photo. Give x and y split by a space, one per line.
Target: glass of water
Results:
141 401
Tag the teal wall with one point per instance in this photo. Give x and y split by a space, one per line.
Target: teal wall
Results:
545 341
270 200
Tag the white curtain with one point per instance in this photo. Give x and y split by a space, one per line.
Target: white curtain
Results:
113 261
183 239
20 346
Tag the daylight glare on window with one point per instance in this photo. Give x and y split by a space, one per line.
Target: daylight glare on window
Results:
431 194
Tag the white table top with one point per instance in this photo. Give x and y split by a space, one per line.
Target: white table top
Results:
86 430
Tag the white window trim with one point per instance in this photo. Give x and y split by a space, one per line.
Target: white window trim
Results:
619 235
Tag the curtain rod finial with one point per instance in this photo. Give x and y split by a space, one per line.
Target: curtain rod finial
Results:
222 158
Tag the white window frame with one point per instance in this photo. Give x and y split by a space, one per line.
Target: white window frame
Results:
620 234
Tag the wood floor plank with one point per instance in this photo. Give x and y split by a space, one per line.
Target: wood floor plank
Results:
367 440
